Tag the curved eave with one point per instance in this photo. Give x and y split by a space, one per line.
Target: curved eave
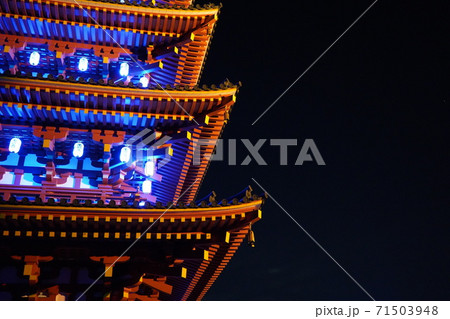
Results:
190 12
116 90
171 214
92 25
101 5
179 37
176 2
169 22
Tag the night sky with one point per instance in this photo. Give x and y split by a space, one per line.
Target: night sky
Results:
377 106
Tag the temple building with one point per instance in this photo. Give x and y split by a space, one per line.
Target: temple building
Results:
101 118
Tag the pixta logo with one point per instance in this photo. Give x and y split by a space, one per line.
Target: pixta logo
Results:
308 152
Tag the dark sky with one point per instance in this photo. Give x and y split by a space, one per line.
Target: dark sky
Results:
377 106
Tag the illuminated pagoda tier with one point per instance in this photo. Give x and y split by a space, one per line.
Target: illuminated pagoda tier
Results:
102 117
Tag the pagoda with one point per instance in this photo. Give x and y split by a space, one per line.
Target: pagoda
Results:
102 130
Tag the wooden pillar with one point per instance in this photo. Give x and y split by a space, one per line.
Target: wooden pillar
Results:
109 262
31 268
50 135
109 139
18 173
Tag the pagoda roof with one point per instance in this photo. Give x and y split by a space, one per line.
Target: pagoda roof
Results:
180 42
215 231
51 100
199 216
182 7
90 30
101 86
152 19
54 93
28 102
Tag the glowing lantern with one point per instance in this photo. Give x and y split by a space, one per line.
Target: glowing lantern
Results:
14 145
124 69
83 64
78 149
149 168
125 154
147 187
144 81
34 59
